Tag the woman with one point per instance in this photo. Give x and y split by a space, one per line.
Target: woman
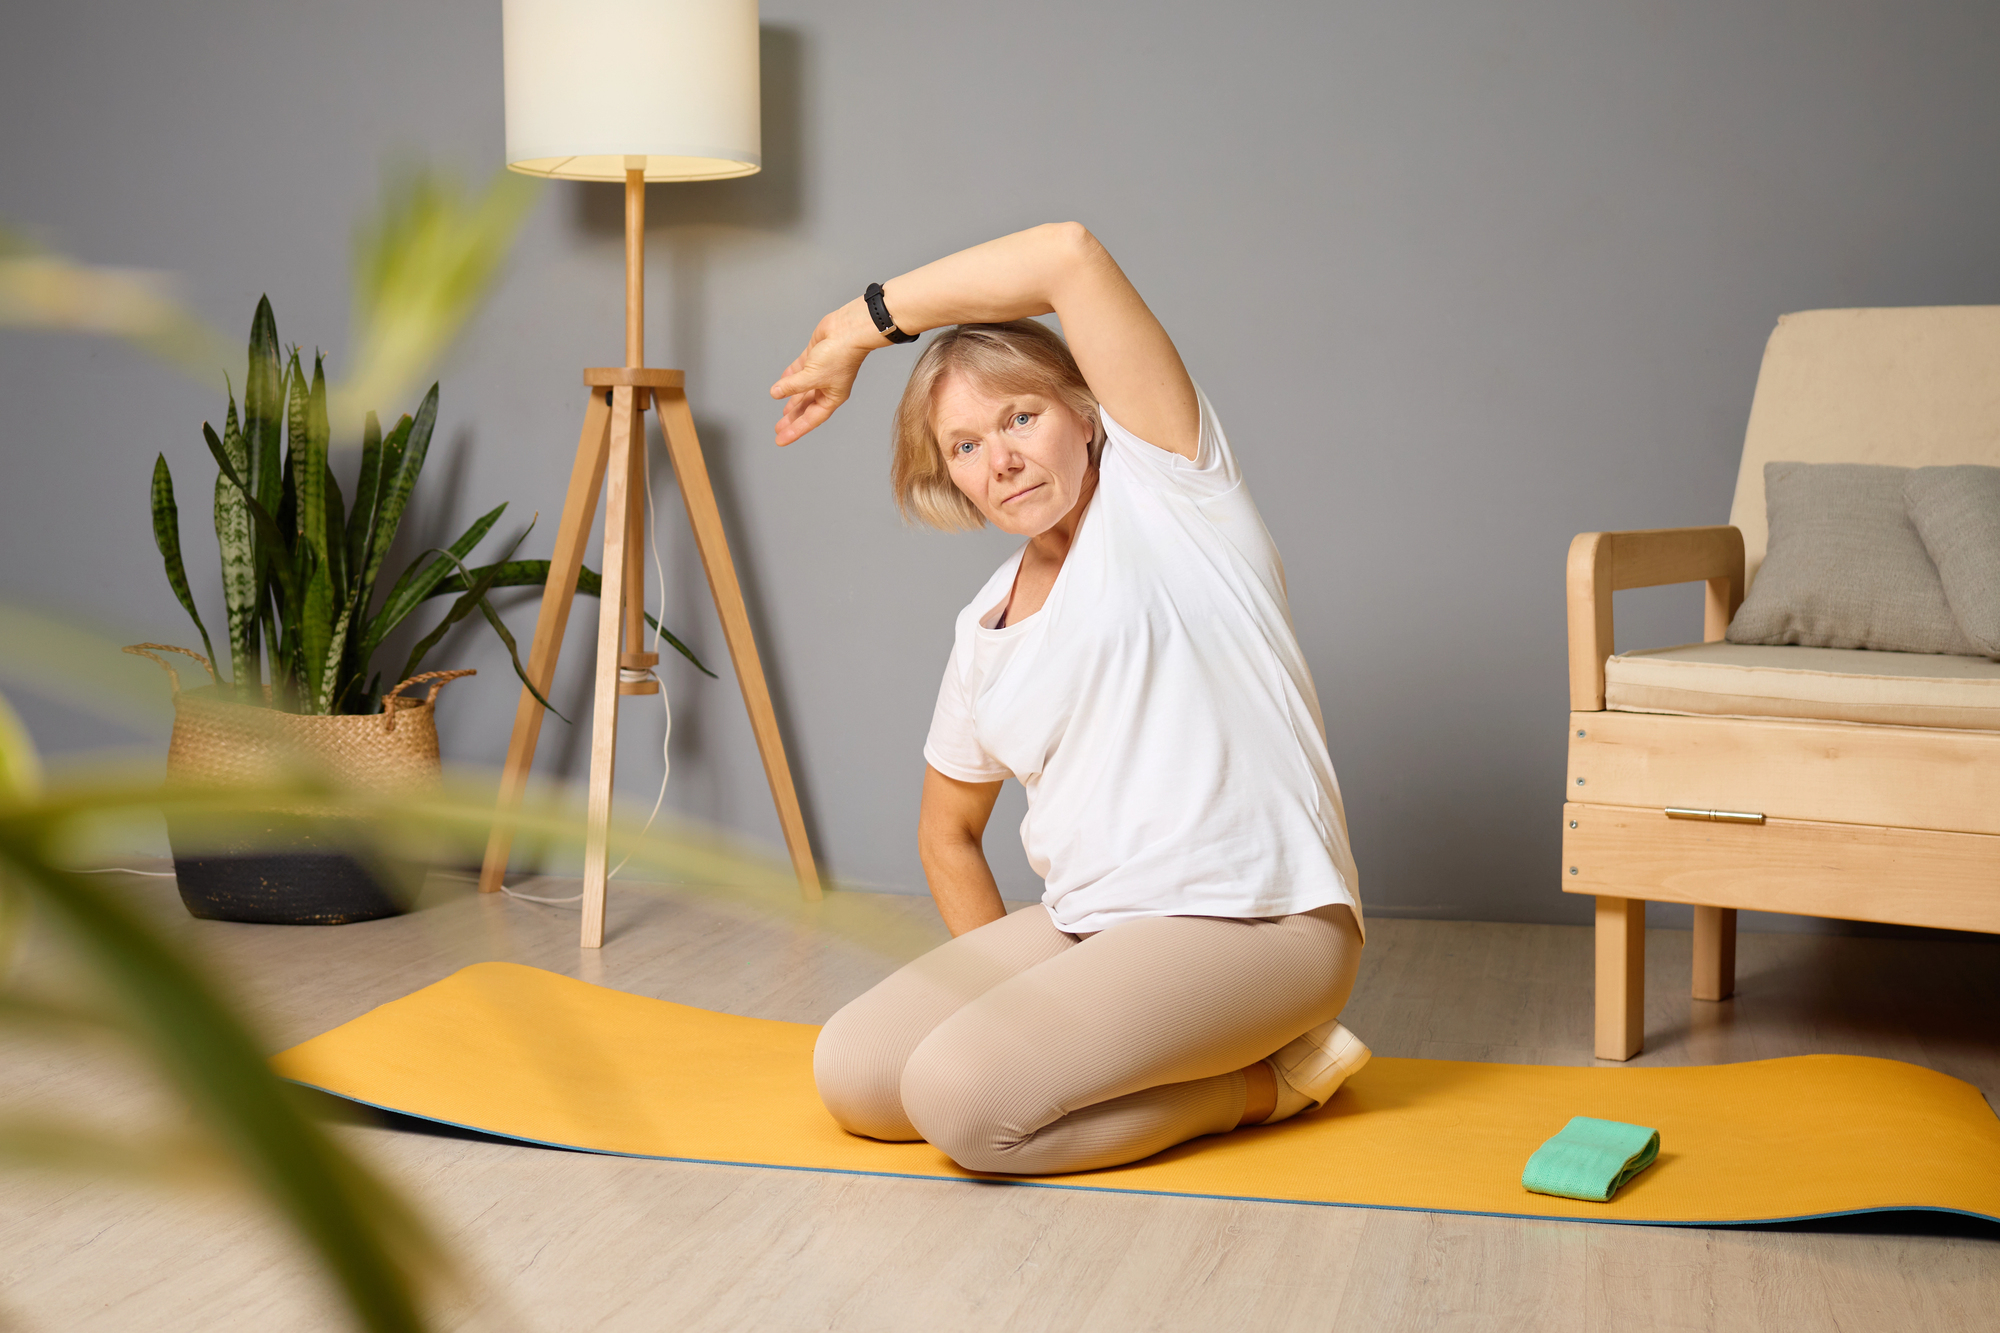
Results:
1134 666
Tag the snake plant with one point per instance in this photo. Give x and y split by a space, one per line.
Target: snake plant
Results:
300 566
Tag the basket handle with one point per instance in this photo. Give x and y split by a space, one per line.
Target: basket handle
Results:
391 704
140 650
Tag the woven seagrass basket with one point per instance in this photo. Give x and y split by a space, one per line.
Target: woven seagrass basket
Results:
302 867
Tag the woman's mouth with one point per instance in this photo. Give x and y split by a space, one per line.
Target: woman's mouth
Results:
1029 491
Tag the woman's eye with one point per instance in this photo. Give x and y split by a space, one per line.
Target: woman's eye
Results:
1021 419
964 447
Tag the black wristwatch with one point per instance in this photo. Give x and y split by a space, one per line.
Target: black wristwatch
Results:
878 311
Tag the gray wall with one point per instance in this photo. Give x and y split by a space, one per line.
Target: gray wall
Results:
1462 279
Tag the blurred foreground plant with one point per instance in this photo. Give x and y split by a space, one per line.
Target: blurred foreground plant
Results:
422 264
423 261
137 985
40 289
142 989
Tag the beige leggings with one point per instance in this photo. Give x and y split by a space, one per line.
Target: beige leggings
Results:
1019 1048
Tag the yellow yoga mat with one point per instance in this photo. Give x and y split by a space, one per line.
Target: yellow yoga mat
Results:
526 1054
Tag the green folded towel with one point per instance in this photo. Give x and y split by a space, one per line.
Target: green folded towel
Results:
1591 1159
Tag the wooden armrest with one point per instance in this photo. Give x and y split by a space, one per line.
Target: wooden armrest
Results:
1601 563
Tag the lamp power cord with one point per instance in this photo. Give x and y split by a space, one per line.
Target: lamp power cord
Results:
632 676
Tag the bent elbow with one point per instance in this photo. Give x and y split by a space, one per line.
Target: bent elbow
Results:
1072 238
942 843
937 839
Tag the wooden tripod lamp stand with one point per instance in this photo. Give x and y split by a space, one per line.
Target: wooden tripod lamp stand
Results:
632 91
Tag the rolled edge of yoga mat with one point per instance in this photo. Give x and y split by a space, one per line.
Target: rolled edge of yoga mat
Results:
1591 1159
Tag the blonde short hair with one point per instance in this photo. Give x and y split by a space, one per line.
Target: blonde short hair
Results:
1020 356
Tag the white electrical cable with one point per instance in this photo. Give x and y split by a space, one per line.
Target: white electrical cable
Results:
531 898
659 625
630 676
127 870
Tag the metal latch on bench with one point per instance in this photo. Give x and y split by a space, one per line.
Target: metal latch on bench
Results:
1715 816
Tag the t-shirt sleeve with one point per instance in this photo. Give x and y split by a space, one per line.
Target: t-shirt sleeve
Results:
953 747
1210 473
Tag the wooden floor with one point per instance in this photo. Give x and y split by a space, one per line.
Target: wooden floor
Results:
565 1241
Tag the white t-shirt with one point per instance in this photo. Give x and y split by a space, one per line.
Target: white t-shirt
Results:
1157 708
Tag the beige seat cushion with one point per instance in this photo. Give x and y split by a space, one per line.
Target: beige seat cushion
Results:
1823 684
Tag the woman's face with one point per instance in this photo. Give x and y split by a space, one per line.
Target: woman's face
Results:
1022 458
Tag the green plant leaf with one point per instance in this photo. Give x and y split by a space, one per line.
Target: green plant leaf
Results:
167 536
422 575
422 263
234 536
514 654
267 527
307 448
331 687
361 523
45 1143
263 405
20 777
396 487
535 573
324 596
285 670
588 582
297 391
368 538
336 530
219 1068
467 601
394 445
315 628
287 512
475 596
297 682
47 1015
267 614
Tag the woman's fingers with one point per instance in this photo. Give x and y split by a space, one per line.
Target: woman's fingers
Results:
787 385
805 409
807 373
802 414
791 386
807 403
817 382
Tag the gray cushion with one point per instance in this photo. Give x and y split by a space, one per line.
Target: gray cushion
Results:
1956 511
1845 567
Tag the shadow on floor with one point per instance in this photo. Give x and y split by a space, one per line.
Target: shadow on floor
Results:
1898 1222
329 1109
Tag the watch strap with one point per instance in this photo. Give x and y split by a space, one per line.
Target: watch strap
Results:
878 310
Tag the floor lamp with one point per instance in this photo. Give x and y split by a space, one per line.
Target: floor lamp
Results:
633 91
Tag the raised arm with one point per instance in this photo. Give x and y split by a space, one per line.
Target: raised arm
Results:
1060 268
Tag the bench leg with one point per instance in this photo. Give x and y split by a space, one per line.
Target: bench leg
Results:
1714 953
1621 977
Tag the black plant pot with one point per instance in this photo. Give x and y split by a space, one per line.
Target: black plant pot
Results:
290 875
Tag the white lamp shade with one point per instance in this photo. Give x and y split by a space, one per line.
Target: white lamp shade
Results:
597 86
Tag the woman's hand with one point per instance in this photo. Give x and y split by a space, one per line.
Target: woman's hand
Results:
822 376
